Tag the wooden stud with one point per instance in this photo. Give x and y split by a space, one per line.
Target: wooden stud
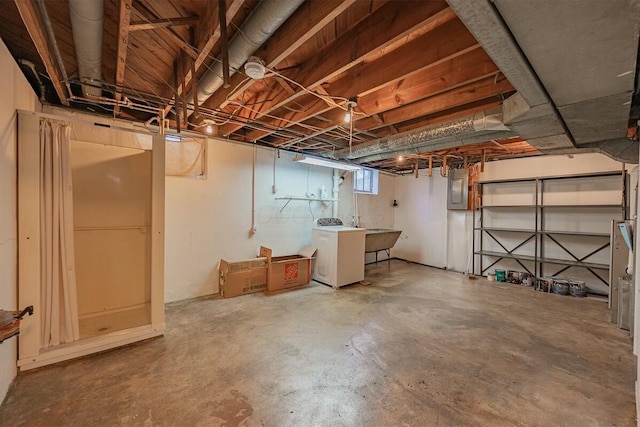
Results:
430 165
417 164
307 21
482 160
176 83
181 74
359 43
153 24
194 89
222 17
466 162
444 165
122 47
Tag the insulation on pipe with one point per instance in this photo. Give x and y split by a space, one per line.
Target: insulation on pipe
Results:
267 17
481 121
87 22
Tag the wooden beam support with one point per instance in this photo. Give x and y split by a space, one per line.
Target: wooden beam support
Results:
399 22
153 24
430 166
194 85
208 30
455 55
480 90
176 83
185 111
33 21
224 40
288 119
484 153
446 73
122 46
362 41
305 22
179 42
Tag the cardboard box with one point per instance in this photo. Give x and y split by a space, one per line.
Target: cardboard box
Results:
242 277
290 271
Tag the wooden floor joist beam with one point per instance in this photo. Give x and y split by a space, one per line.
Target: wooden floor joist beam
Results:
33 21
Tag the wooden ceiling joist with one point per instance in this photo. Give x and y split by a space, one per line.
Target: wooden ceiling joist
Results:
33 21
483 89
154 24
354 46
310 18
457 69
224 41
207 32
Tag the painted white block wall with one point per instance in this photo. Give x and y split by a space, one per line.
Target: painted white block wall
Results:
422 216
16 94
434 236
374 210
210 219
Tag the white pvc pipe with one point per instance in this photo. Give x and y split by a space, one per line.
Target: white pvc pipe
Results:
335 192
633 212
253 230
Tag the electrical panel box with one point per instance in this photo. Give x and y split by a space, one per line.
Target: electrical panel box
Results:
458 189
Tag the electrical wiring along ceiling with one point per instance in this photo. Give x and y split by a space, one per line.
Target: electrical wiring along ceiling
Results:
413 75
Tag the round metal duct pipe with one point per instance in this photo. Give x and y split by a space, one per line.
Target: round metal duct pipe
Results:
87 22
263 22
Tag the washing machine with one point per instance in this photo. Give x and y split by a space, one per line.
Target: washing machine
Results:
340 253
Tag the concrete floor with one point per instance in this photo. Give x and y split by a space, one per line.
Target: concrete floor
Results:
419 346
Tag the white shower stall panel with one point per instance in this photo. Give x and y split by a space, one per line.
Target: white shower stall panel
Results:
118 237
112 234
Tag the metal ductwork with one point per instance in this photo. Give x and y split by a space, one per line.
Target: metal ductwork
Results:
439 144
263 22
573 97
87 19
439 135
620 149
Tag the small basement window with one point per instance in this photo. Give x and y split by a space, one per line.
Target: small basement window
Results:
185 156
365 181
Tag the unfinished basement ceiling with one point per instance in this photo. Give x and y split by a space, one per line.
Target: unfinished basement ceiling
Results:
426 76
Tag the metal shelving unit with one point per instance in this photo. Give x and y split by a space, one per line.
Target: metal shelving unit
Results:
538 232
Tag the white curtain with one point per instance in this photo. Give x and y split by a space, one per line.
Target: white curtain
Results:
59 300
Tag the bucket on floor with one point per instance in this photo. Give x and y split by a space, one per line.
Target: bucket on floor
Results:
561 287
491 277
526 279
501 276
544 284
514 277
577 288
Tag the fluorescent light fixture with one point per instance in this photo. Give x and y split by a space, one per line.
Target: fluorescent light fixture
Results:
326 163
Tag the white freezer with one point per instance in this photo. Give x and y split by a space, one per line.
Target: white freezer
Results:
340 256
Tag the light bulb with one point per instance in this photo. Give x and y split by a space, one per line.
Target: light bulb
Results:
400 158
347 117
209 129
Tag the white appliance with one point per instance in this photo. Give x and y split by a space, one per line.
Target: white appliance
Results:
340 256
